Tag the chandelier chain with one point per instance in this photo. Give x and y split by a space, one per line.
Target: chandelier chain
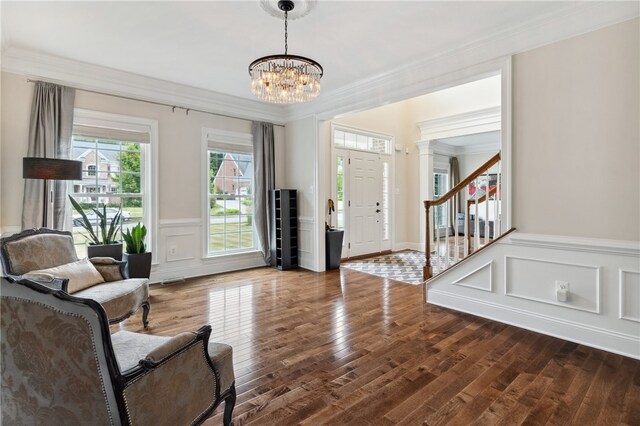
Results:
286 33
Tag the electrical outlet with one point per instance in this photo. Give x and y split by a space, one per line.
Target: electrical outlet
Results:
562 286
173 250
562 291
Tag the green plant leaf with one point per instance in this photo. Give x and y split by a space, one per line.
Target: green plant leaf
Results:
85 223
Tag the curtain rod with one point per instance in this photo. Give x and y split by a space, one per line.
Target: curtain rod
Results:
173 107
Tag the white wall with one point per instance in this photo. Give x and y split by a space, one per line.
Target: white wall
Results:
179 175
576 176
301 174
576 136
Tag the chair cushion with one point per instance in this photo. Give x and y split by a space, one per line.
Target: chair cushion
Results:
81 274
118 298
39 252
130 348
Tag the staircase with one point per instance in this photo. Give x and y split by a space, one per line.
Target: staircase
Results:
465 219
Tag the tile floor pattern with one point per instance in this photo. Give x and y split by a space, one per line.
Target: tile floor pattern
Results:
405 266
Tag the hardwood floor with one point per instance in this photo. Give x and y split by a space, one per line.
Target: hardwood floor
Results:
344 347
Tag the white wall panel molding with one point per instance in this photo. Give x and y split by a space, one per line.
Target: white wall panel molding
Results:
534 279
480 278
601 338
602 309
305 241
629 295
594 245
180 253
209 266
93 77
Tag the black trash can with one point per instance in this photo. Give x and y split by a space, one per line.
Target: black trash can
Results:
333 248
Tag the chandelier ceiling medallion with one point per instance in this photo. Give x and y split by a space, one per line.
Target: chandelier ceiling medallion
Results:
285 79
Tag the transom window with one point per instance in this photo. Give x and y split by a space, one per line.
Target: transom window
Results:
353 139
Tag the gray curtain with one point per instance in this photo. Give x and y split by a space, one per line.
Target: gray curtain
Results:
264 181
50 137
454 172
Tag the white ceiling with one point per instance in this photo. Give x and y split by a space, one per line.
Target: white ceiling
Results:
209 45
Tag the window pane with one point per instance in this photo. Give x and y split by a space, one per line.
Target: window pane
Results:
231 214
111 178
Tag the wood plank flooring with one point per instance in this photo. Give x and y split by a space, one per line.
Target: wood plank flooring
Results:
344 347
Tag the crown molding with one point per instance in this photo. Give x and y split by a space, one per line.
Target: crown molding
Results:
86 76
467 123
478 59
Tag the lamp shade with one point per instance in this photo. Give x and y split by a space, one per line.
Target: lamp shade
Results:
51 168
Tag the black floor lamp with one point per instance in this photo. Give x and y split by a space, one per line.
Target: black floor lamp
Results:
50 169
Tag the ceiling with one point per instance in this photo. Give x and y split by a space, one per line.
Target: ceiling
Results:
209 45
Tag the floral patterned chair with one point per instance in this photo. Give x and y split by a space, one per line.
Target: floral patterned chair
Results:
60 366
43 254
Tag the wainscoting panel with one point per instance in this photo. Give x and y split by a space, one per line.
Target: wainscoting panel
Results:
480 278
182 253
535 279
305 241
602 309
629 284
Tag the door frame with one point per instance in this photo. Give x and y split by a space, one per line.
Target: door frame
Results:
333 192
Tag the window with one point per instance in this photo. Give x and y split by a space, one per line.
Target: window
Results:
116 170
339 205
230 193
440 187
385 200
363 141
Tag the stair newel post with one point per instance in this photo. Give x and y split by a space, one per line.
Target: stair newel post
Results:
426 273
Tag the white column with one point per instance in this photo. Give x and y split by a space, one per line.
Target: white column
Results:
426 149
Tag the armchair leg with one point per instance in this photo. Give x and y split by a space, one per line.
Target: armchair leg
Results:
229 404
145 312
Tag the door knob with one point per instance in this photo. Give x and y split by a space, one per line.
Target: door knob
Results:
377 204
377 210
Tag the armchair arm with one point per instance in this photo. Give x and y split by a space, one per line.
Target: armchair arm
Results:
109 268
178 371
167 349
44 279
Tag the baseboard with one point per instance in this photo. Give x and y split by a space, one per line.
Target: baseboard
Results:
408 246
607 340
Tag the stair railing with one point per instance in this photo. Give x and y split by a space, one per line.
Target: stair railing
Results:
480 199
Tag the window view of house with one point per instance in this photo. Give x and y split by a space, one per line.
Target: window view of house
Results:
111 177
230 202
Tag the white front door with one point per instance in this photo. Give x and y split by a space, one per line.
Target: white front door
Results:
365 203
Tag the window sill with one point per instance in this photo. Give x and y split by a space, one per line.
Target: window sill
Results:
251 254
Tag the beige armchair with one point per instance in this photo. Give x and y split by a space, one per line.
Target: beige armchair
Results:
60 366
43 254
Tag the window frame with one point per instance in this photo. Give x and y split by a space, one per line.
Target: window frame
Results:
149 178
224 141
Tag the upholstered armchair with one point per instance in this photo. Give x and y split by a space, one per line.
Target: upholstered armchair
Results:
61 366
44 254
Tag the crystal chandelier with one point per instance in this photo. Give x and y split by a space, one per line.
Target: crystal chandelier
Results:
285 79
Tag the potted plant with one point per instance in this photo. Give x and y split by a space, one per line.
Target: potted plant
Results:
136 254
102 239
